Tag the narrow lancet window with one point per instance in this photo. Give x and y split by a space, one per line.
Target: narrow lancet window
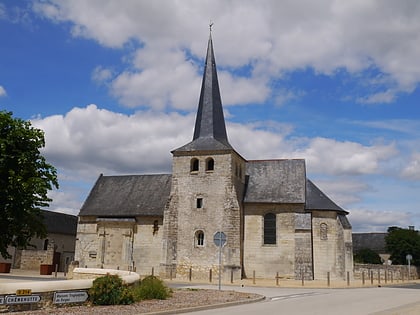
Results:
199 238
270 228
194 165
209 164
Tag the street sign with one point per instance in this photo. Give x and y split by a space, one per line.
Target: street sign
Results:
219 239
409 257
24 292
70 297
22 299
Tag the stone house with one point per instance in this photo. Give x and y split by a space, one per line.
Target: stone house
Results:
57 248
268 215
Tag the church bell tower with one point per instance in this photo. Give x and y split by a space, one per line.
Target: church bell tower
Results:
208 179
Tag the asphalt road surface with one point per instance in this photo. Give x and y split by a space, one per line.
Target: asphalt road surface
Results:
355 301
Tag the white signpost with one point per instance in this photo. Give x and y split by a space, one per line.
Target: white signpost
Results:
70 297
409 257
22 299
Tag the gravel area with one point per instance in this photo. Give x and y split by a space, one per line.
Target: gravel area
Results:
181 298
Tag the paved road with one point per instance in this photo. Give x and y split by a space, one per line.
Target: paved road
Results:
357 301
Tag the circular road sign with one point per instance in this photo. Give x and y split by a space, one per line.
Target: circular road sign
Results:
219 239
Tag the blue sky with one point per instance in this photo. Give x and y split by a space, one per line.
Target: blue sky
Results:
115 87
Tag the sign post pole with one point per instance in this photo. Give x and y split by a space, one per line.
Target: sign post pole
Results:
409 257
219 240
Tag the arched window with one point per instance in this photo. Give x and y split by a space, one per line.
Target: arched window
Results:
323 231
270 228
194 165
209 164
199 238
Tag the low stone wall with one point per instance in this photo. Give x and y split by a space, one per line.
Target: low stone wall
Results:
32 259
396 272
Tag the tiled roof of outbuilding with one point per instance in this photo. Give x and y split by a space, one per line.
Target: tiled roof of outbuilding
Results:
128 196
59 223
276 181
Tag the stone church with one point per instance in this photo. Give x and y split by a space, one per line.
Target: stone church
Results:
267 214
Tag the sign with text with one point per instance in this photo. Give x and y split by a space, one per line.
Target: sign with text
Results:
1 300
24 292
70 297
22 299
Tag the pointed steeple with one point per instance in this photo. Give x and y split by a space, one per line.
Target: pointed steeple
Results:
210 129
210 121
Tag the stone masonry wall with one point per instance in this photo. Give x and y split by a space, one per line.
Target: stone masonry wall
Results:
331 246
220 211
32 259
266 260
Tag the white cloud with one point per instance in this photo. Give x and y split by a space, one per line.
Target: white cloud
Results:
330 156
2 91
101 75
364 220
88 141
269 39
159 79
412 169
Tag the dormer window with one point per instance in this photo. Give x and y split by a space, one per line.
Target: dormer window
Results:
209 164
194 165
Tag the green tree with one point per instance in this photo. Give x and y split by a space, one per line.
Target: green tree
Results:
367 256
25 178
401 242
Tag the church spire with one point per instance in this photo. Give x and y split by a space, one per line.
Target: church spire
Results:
210 122
210 129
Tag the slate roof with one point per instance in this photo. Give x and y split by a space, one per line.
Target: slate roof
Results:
373 241
210 130
317 200
128 196
59 223
275 181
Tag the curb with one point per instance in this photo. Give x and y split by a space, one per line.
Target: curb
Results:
207 307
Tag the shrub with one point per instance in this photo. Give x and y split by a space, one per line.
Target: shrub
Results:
367 256
110 290
150 288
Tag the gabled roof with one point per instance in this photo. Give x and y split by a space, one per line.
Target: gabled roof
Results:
128 196
373 241
276 181
59 223
210 130
317 200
